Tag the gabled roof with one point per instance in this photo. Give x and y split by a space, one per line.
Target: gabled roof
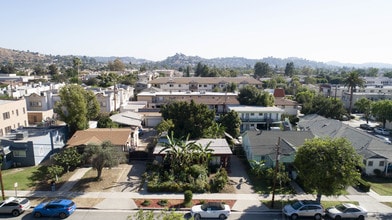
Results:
264 142
279 93
117 136
365 144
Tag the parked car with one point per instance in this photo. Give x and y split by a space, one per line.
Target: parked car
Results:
58 207
381 131
211 210
304 208
14 206
384 139
346 210
366 127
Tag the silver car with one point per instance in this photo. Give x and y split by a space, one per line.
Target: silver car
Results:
304 208
346 210
14 206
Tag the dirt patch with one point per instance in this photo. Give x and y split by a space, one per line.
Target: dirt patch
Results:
108 182
175 203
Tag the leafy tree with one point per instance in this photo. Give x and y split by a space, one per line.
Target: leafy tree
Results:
68 158
216 130
352 81
333 165
165 126
53 70
107 79
39 70
250 95
129 79
188 118
261 69
116 65
8 68
382 110
289 70
364 105
76 107
55 171
258 168
232 122
104 121
104 155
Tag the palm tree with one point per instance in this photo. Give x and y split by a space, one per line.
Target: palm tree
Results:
352 81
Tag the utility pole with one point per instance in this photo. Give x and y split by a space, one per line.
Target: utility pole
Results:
275 173
1 177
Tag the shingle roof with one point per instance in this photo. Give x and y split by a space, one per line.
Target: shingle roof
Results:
117 136
264 142
206 80
364 143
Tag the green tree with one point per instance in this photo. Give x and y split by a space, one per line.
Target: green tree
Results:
364 105
55 171
53 70
332 167
104 121
68 158
382 110
261 70
289 70
250 95
108 79
76 107
116 65
352 81
104 155
188 118
216 130
165 126
232 122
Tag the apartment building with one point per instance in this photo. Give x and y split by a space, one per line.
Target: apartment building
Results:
202 84
258 117
214 100
13 115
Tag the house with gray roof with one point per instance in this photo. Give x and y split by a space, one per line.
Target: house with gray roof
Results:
375 152
262 145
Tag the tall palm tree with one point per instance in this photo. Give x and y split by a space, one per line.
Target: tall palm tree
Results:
352 81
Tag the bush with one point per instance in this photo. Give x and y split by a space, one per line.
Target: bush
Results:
188 195
363 185
163 202
219 181
146 202
378 172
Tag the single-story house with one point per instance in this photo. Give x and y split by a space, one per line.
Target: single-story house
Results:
264 145
220 156
375 152
123 138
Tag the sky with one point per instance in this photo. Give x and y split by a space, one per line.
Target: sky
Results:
351 31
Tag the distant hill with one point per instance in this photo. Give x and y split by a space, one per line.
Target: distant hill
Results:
28 59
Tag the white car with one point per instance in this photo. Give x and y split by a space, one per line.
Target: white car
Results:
211 210
346 210
14 206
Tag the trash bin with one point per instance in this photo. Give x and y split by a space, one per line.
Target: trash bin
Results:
53 186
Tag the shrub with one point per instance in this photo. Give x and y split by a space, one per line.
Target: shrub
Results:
188 195
363 185
378 172
219 181
163 202
146 202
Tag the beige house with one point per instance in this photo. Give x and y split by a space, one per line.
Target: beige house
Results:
13 115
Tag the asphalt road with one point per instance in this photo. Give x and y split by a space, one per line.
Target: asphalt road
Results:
124 214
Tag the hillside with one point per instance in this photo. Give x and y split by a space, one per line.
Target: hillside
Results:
29 59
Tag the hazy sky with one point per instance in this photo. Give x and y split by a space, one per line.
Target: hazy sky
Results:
354 31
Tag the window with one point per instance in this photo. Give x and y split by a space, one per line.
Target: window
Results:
6 115
251 114
7 129
19 153
260 114
171 85
381 164
35 104
24 110
370 163
17 112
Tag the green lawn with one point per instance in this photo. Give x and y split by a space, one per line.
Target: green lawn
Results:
382 186
23 176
